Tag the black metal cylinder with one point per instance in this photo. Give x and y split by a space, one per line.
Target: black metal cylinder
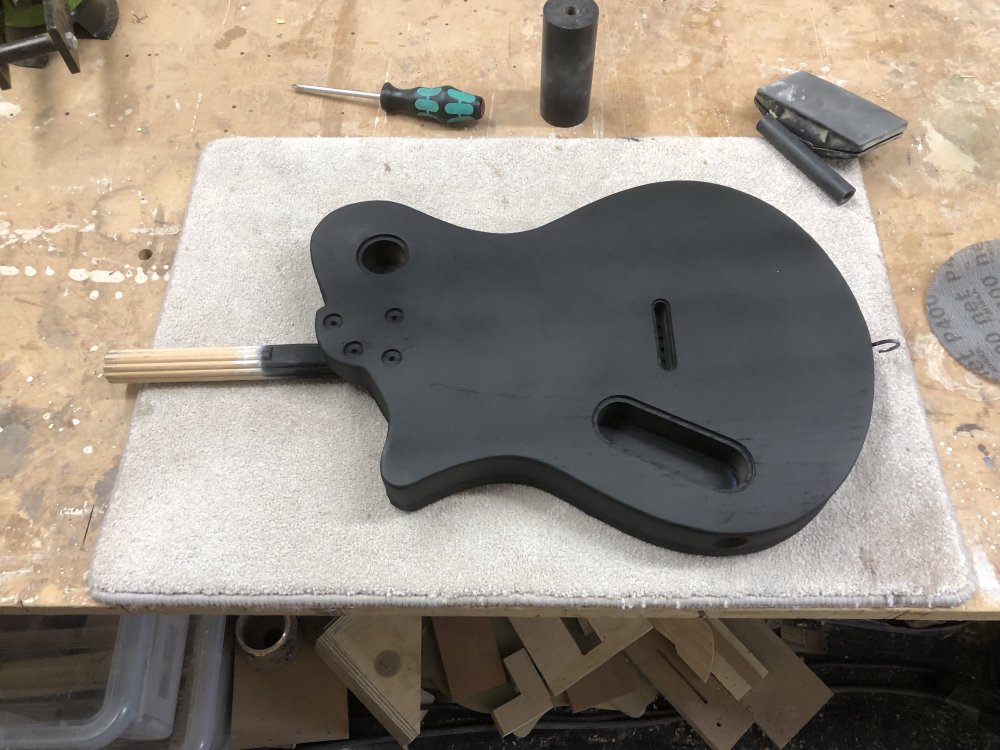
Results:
30 46
569 38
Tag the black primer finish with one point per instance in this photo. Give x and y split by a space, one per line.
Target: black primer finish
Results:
569 40
294 361
680 360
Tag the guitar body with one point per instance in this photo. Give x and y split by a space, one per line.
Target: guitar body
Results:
679 360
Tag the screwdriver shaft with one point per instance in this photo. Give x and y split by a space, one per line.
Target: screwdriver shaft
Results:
327 91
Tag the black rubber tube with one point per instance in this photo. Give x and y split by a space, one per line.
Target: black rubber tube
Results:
569 39
799 154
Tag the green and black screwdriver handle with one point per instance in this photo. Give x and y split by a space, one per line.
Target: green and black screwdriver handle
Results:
445 104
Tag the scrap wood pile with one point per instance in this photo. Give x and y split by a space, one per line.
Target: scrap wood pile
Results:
721 676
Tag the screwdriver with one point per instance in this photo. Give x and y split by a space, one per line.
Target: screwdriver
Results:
445 104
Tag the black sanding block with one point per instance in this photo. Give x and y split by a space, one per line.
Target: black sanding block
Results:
832 121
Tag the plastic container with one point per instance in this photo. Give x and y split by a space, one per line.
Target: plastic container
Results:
158 702
83 710
210 674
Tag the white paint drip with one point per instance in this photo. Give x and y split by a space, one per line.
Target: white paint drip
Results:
88 449
75 511
94 294
598 122
9 109
30 271
49 271
100 276
119 295
9 271
140 276
29 235
107 277
167 230
197 106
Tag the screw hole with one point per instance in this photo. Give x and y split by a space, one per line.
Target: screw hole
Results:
383 254
571 10
394 315
333 321
353 348
391 357
145 254
730 542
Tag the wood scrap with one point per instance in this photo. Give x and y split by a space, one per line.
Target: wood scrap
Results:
469 654
298 701
523 731
557 654
432 676
803 640
378 658
533 700
790 695
635 703
614 679
508 641
694 641
707 706
734 666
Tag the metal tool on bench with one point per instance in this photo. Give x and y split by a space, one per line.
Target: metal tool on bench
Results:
30 30
445 104
695 393
806 117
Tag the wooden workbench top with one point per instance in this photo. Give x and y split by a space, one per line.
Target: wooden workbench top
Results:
95 171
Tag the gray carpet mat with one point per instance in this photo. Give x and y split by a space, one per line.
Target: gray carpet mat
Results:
268 494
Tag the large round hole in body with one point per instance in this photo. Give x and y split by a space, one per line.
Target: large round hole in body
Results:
383 254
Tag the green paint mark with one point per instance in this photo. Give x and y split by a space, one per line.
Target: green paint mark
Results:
429 91
461 96
426 106
457 108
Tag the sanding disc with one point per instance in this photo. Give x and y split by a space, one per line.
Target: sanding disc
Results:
963 307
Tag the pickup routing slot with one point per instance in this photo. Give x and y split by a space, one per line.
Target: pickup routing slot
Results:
674 445
666 350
